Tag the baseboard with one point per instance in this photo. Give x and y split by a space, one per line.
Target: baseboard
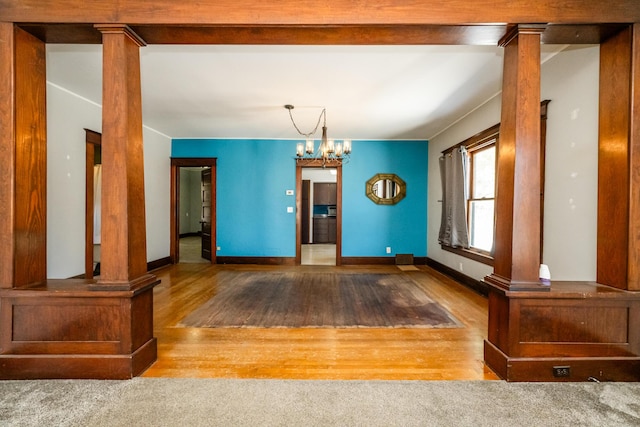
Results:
469 282
368 260
192 234
74 366
255 260
532 369
154 265
151 265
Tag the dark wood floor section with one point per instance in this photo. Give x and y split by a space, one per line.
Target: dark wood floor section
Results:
331 299
315 353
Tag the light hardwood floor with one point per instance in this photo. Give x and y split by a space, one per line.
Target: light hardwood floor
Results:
307 353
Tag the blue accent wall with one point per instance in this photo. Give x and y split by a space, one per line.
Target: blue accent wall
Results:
253 176
367 228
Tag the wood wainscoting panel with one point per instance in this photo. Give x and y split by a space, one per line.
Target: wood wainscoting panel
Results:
580 323
63 329
593 329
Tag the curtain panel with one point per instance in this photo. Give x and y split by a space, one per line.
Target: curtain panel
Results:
453 173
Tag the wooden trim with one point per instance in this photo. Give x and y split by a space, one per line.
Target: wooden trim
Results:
372 260
30 168
633 279
478 140
123 234
476 285
256 260
7 155
319 12
613 160
399 34
174 215
158 263
468 253
318 163
298 214
517 260
92 139
544 106
151 266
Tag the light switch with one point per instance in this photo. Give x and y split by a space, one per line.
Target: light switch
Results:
289 192
289 209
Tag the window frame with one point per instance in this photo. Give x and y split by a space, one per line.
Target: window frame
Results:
482 140
474 143
472 152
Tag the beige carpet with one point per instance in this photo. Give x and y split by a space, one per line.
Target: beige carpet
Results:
319 300
211 402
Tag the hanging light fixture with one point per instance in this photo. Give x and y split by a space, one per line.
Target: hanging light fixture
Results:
329 150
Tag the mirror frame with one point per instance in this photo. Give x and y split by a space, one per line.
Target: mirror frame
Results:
402 189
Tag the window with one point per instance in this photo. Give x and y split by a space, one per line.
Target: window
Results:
480 205
480 175
480 178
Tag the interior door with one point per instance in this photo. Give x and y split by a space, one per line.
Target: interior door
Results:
205 216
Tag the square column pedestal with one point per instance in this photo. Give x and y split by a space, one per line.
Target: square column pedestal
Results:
577 331
63 329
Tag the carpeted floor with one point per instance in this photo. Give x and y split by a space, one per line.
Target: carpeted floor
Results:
213 402
331 300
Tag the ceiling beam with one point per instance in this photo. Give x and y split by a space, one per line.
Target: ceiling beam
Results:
320 12
323 35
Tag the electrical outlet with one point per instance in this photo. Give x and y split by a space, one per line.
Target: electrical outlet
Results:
388 249
561 371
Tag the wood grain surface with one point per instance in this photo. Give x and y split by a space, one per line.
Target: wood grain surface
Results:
315 353
328 300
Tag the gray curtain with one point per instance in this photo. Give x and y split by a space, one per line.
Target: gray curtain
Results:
453 225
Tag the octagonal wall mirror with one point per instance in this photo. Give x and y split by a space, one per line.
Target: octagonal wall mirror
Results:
386 189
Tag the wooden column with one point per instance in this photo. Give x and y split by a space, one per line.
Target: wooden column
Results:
23 158
619 161
123 253
576 330
633 282
517 234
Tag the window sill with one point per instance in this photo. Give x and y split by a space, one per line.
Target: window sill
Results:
471 254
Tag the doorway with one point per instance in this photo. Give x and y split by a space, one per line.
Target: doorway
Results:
319 213
193 210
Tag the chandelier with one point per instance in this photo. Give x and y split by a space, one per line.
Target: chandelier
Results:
329 151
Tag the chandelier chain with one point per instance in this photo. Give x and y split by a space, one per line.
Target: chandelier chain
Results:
323 113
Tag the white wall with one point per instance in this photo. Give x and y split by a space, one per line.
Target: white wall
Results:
67 116
570 81
157 192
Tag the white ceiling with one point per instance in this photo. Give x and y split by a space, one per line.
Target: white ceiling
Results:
239 91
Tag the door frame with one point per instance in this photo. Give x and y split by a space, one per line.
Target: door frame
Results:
174 221
93 143
318 163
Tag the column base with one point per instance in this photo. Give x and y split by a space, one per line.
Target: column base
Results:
65 329
573 369
578 331
510 285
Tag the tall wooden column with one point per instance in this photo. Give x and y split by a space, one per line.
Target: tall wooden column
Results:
71 328
619 161
123 253
575 330
517 235
23 158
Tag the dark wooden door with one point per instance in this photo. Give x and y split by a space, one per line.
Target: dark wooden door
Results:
205 216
